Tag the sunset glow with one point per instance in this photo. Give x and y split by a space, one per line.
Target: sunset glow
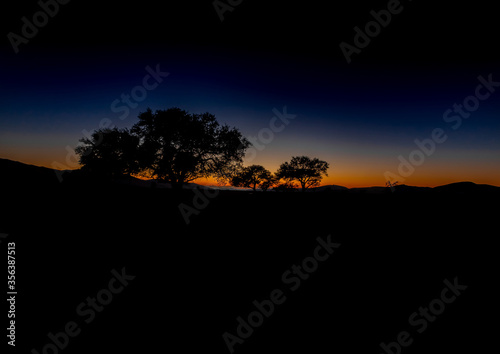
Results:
362 119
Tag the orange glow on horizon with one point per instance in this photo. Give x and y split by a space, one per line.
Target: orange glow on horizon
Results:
360 182
349 175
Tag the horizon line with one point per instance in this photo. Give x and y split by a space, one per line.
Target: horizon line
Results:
211 184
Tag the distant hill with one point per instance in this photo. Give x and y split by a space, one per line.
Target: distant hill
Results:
403 188
15 174
452 188
467 187
330 187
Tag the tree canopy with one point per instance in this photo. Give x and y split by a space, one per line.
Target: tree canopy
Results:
303 169
179 147
109 153
252 177
176 146
169 145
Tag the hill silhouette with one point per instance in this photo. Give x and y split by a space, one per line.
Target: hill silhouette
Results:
18 174
14 173
467 187
396 250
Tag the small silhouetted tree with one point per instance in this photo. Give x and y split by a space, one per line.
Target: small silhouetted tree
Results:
179 147
305 170
391 185
109 153
252 177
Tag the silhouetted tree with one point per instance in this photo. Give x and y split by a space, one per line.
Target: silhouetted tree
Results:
109 153
284 187
391 185
308 172
251 177
268 181
179 147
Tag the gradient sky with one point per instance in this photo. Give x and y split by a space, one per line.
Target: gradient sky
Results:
359 117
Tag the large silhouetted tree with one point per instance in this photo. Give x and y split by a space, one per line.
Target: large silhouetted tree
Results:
308 172
252 177
178 147
109 153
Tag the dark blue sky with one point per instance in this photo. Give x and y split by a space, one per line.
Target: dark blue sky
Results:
360 116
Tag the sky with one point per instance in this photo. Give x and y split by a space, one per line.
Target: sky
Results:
362 117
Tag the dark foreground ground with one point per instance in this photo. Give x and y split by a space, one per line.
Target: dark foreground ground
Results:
192 282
